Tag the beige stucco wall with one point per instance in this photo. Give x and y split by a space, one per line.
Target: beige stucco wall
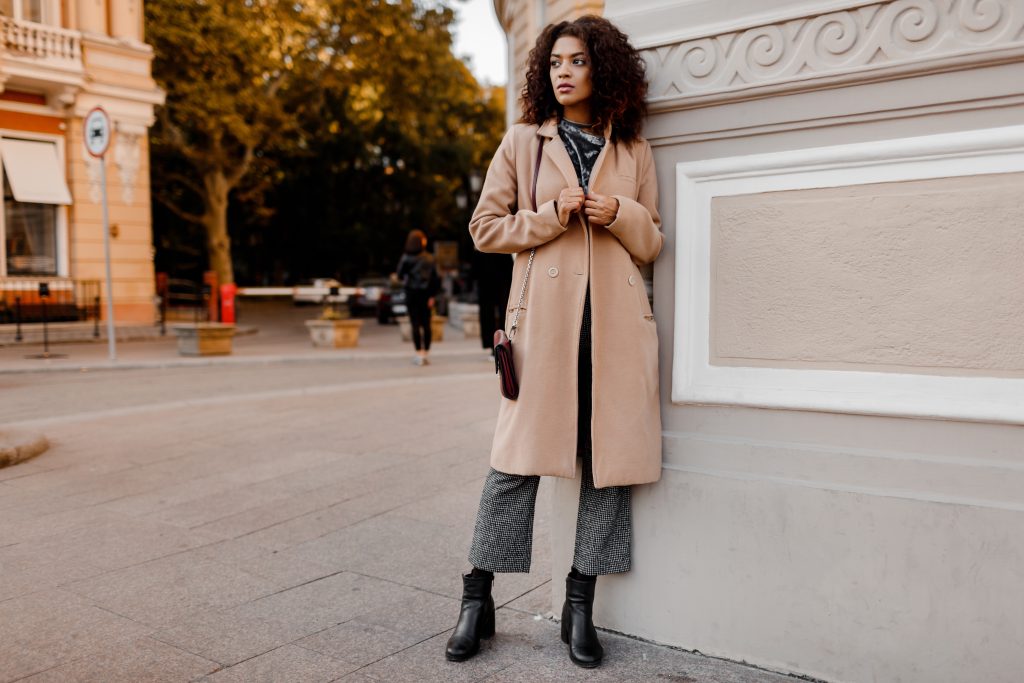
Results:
91 55
846 546
914 276
131 250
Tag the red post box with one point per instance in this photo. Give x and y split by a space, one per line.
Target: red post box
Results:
227 302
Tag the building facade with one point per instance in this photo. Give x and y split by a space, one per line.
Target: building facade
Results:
840 307
58 60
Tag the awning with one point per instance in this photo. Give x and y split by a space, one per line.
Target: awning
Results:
34 171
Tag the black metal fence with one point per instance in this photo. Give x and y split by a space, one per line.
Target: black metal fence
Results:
54 299
183 299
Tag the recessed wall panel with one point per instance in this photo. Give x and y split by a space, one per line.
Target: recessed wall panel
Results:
916 276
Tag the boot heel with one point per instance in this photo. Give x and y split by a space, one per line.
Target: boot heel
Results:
487 623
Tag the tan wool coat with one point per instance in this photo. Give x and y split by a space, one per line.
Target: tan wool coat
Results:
536 434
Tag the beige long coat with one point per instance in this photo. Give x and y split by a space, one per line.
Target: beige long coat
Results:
536 434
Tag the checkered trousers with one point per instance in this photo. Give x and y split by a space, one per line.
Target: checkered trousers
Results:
503 537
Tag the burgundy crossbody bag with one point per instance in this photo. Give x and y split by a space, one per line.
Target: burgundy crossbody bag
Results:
503 364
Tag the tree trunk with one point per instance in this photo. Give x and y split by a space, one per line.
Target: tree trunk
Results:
215 220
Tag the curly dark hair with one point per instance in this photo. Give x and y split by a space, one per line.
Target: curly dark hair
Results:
617 73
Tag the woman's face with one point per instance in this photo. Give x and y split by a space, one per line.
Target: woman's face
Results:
570 72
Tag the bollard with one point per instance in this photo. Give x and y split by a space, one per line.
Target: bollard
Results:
17 319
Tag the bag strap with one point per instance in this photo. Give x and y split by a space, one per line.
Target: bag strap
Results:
533 252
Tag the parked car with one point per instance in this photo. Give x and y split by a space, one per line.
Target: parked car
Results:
378 297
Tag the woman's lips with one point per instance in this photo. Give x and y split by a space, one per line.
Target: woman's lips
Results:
565 87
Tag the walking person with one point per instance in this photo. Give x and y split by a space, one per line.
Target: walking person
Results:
418 273
572 191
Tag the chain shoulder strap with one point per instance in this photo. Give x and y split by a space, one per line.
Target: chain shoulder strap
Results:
522 293
533 252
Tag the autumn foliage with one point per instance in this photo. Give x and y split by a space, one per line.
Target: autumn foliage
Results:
306 138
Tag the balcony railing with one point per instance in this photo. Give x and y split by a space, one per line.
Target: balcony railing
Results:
41 41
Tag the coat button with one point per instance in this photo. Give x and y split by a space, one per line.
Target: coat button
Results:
632 280
552 271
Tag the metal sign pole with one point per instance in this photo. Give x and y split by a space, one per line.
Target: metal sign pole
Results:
111 329
97 141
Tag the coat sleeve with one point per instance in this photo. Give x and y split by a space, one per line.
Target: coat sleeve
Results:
638 224
498 226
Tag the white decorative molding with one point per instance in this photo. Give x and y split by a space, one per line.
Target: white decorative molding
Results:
927 477
126 158
94 171
870 42
695 380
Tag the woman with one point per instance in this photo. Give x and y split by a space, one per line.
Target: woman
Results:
418 273
585 345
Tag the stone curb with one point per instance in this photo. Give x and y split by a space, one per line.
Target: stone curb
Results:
34 337
17 446
232 360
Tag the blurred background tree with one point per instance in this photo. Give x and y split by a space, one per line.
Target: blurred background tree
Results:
306 138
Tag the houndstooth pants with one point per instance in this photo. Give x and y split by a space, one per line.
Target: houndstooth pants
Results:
503 537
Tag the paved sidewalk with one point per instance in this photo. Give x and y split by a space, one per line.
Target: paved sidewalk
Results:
280 336
287 522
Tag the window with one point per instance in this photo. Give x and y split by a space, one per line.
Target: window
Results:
33 190
31 236
29 10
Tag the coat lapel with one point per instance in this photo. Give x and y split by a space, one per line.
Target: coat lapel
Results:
555 150
599 162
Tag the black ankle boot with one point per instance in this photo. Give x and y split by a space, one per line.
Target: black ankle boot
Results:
476 620
578 623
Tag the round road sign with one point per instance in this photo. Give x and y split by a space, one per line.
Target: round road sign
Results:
97 132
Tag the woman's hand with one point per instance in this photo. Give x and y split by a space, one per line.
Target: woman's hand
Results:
570 200
601 209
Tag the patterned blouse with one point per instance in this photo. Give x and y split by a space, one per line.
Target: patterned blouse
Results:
583 149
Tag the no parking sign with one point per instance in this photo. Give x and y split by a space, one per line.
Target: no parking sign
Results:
97 132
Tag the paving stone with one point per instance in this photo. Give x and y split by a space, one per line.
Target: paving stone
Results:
140 661
22 575
47 628
48 517
400 620
355 677
22 469
165 591
418 553
537 601
320 604
226 637
112 543
288 663
283 568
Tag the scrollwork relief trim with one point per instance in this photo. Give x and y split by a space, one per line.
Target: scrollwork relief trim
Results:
896 36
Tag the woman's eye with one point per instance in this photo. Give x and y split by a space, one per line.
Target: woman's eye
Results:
554 65
579 62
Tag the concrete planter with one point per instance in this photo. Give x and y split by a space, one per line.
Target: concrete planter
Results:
337 334
465 317
471 324
437 324
204 339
